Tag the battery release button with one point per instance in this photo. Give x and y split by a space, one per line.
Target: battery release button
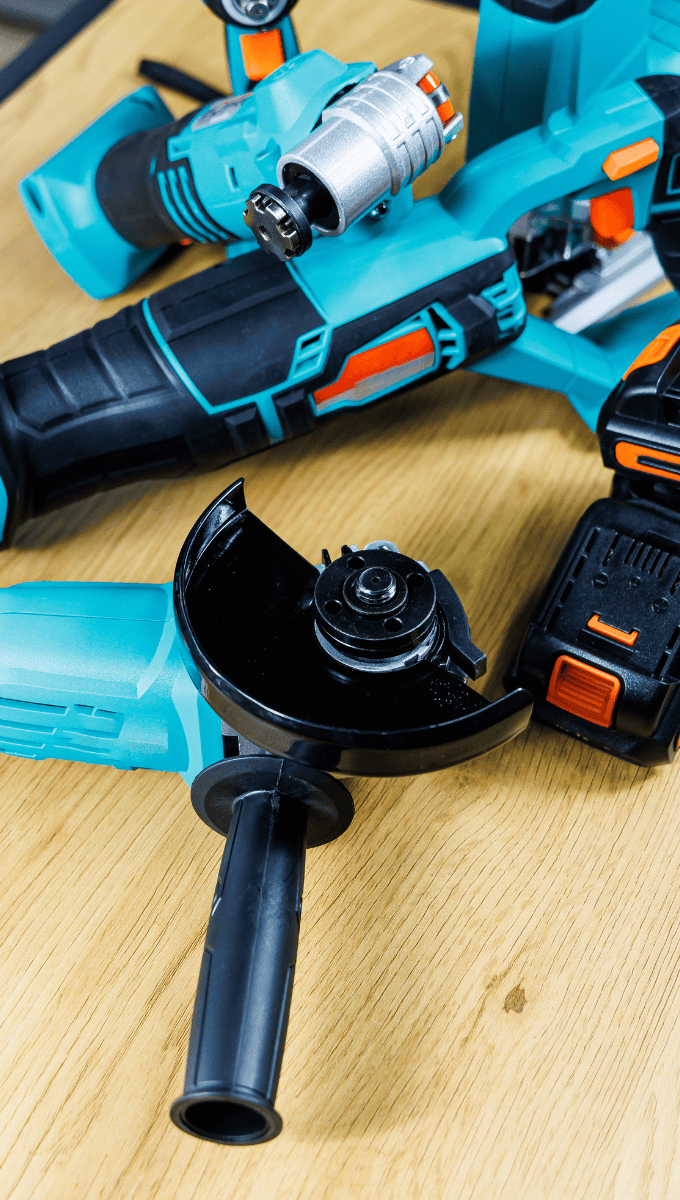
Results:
583 690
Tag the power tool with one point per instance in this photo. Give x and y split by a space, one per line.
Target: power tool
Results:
259 677
255 350
109 203
259 37
602 653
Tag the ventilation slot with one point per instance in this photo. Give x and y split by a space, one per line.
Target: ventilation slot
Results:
611 549
670 654
310 353
594 534
553 616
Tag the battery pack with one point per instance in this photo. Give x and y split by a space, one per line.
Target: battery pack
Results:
602 653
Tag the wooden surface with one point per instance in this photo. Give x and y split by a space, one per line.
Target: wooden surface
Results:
486 1003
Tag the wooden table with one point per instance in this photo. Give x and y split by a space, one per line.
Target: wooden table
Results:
486 1002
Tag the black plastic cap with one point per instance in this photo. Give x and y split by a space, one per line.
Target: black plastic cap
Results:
233 1120
278 222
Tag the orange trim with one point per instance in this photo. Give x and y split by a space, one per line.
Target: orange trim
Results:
631 158
429 83
628 454
262 53
610 631
375 361
656 350
611 217
583 690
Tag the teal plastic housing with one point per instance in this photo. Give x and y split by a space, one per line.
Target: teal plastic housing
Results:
525 69
61 201
231 156
587 367
93 672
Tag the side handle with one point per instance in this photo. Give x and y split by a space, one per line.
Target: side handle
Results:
246 980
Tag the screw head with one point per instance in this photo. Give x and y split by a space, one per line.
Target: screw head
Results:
381 210
660 605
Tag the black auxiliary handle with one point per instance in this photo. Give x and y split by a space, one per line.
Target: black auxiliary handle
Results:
271 810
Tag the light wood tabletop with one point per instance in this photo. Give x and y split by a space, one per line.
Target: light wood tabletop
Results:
487 998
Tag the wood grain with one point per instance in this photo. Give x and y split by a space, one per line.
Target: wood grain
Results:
487 998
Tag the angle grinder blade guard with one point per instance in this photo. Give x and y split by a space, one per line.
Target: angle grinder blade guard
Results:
358 666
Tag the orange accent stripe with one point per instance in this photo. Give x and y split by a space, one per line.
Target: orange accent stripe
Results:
656 350
262 53
628 455
631 158
429 83
583 690
445 111
610 631
375 361
611 217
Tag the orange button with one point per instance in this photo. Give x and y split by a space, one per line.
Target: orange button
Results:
262 53
610 631
611 217
631 158
584 691
628 454
445 111
656 350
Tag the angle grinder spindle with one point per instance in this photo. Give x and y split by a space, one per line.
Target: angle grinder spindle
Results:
375 610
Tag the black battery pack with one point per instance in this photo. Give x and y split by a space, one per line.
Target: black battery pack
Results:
602 652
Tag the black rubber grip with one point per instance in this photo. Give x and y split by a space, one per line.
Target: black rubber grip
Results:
106 406
246 979
128 190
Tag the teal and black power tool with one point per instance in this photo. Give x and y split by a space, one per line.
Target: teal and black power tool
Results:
255 676
367 293
111 201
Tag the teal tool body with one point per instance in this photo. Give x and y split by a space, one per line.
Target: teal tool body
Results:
93 672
